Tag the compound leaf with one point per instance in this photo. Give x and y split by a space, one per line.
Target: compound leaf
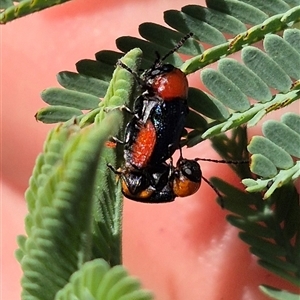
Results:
272 155
278 294
96 280
23 8
58 225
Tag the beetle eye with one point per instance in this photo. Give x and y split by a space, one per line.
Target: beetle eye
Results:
155 72
187 172
166 68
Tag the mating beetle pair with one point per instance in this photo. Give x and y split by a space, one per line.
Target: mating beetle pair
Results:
153 135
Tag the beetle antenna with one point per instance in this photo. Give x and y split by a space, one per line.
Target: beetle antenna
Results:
215 189
222 161
177 46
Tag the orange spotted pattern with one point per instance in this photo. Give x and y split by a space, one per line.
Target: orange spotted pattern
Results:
143 146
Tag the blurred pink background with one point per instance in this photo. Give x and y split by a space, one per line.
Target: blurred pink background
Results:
181 250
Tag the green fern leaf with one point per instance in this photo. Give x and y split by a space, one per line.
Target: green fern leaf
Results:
278 294
207 104
270 227
223 22
244 12
96 69
23 8
59 227
57 113
6 3
272 155
59 240
81 83
95 280
81 93
228 93
280 158
255 87
109 199
274 45
185 22
274 7
292 36
64 97
167 39
258 110
283 136
266 68
259 221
